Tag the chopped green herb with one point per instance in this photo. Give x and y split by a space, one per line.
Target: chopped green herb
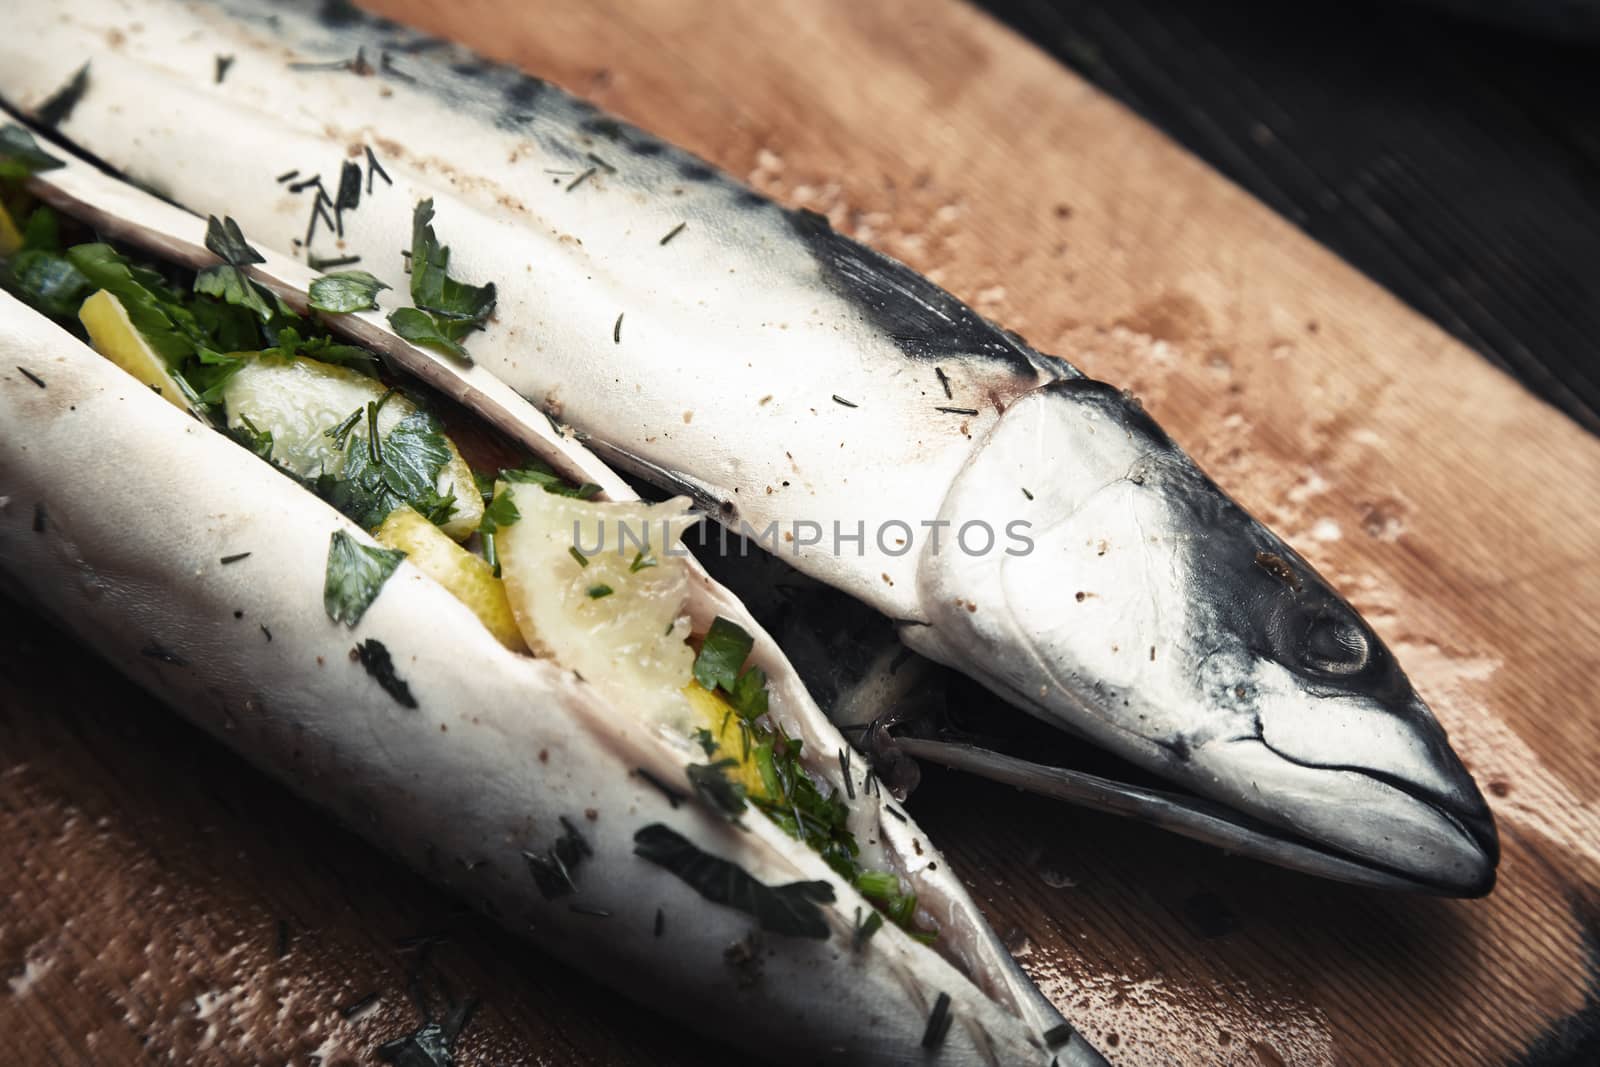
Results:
597 592
48 281
641 562
375 658
56 110
405 471
938 1023
712 784
865 929
225 239
346 291
789 910
553 868
20 155
706 741
447 309
339 433
257 441
155 310
499 513
722 654
537 472
572 550
356 573
227 281
420 328
222 65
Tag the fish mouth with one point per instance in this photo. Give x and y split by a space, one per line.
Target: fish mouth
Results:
1457 854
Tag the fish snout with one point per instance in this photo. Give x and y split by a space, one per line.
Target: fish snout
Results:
1413 780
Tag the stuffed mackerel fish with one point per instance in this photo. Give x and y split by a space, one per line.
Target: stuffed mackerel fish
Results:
440 421
268 529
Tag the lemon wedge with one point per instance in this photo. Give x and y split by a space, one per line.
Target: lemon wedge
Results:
114 336
298 400
601 588
468 578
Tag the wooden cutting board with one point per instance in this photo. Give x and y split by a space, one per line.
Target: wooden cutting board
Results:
160 901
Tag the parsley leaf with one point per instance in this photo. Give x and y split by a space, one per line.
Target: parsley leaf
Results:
432 288
711 783
356 573
723 652
346 291
48 281
226 240
403 469
156 312
228 281
257 441
500 513
20 155
537 472
447 309
420 328
790 910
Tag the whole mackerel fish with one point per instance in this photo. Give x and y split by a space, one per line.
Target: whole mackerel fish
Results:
1017 520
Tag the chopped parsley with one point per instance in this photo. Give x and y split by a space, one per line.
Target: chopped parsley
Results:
537 472
553 869
346 291
789 910
374 657
447 309
356 573
598 592
788 795
722 654
228 281
20 155
712 784
382 472
56 110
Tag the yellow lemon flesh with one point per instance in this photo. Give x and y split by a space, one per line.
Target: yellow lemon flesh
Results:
10 236
717 716
298 400
114 336
469 578
586 593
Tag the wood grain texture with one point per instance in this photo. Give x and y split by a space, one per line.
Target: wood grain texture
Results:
144 871
1454 163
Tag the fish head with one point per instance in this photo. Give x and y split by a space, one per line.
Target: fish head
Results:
1136 604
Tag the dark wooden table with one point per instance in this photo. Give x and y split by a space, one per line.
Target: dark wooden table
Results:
161 902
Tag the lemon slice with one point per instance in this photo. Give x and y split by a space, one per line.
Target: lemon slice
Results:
10 236
114 336
299 399
469 578
600 588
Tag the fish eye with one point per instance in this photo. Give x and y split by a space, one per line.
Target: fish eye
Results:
1334 645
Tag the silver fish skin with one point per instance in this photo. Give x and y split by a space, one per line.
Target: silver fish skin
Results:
701 336
115 510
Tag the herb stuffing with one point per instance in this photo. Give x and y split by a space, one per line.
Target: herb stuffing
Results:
780 786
